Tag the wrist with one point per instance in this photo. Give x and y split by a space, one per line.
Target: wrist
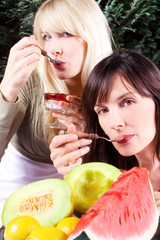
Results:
8 96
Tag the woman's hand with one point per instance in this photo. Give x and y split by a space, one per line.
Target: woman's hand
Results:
74 107
23 58
67 151
157 198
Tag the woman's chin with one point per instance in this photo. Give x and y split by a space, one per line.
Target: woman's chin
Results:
126 154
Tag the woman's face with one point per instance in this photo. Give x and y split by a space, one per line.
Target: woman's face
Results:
128 115
68 49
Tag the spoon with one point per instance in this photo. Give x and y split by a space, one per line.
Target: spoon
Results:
95 136
54 61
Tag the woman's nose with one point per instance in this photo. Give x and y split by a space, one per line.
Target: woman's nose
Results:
116 121
56 48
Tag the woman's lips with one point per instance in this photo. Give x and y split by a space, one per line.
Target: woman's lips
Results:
59 66
125 138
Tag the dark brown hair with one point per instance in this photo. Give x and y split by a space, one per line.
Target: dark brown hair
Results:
138 71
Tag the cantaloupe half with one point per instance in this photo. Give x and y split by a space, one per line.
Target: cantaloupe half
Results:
89 181
48 201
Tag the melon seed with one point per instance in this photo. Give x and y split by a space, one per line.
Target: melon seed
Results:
36 204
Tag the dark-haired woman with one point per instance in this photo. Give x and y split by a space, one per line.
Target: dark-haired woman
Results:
122 101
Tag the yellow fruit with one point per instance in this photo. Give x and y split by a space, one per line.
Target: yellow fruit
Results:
20 227
67 225
47 233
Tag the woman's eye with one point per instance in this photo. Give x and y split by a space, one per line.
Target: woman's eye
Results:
127 102
46 36
101 110
67 34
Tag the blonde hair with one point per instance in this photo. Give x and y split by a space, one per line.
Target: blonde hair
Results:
82 18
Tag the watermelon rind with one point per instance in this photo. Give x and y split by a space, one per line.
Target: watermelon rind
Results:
82 236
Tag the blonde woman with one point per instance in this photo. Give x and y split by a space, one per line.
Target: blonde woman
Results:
76 33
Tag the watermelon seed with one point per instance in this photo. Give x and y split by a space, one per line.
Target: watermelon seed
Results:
139 215
128 212
134 217
145 210
149 204
120 221
125 219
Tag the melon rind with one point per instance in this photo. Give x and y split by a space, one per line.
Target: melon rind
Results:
89 181
63 201
126 212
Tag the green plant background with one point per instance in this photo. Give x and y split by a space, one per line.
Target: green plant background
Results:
135 25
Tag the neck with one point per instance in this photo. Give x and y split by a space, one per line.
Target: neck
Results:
75 85
147 159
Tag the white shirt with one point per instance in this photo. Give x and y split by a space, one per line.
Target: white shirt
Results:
16 170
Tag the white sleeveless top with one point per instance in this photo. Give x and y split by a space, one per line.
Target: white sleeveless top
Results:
16 170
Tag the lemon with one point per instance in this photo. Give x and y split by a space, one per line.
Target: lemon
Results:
20 227
47 233
67 225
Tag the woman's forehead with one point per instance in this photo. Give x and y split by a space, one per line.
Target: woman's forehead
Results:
116 81
54 25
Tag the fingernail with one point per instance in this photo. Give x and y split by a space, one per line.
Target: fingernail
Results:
88 141
74 137
54 114
69 98
85 149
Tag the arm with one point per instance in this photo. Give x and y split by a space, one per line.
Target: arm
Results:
7 114
22 60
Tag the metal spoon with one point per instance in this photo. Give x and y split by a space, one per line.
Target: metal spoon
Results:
95 136
54 61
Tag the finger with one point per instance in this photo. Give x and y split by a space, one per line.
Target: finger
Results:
72 108
23 57
72 118
24 42
70 151
71 128
69 148
31 58
67 122
71 156
79 125
65 170
74 99
29 50
60 140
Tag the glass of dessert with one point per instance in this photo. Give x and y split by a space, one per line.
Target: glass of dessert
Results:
51 103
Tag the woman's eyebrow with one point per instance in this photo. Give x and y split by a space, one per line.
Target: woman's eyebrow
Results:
99 105
127 94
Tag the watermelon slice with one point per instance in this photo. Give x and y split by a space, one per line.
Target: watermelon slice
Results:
125 212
